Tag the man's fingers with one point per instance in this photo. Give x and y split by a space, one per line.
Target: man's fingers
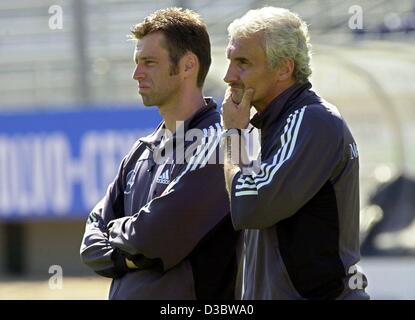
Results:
228 94
247 98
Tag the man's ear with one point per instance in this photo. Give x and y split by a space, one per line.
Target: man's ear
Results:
286 69
190 64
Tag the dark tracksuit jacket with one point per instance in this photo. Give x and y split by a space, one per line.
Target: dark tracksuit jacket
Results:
301 210
171 219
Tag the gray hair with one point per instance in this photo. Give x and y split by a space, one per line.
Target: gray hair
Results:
285 36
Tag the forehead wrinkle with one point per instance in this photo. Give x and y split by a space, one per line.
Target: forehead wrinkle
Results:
150 54
229 50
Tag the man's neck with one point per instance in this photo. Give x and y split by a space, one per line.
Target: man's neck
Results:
282 87
181 110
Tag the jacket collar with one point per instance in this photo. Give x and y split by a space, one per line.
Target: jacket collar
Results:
190 123
295 96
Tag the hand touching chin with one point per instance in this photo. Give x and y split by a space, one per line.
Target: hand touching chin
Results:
237 95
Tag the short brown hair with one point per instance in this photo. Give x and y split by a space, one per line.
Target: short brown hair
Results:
184 31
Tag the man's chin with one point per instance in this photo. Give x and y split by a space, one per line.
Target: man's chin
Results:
237 96
147 104
146 101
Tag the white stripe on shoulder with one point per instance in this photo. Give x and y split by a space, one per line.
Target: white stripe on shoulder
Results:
275 169
265 168
267 171
217 134
197 160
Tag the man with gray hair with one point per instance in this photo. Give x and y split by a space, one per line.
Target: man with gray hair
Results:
300 207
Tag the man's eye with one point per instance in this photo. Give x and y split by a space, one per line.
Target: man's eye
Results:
150 63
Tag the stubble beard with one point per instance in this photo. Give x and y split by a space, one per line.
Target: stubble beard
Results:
158 99
149 100
237 94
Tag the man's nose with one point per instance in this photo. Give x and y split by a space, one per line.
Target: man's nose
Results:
230 75
138 73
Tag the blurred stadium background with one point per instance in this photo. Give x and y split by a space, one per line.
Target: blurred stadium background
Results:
69 111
